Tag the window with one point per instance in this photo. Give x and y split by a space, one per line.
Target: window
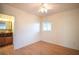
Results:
37 27
47 26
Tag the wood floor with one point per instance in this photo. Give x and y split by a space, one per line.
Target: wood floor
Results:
38 48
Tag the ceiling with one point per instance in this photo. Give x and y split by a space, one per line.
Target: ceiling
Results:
53 7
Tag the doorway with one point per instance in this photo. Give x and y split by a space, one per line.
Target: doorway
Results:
6 30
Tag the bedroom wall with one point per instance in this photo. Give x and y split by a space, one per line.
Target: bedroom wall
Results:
65 29
26 26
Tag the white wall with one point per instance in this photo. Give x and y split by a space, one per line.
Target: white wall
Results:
26 29
65 29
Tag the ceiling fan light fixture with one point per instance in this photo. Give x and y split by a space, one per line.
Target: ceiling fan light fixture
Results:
43 8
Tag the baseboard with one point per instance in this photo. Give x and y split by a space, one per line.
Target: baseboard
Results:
23 45
58 44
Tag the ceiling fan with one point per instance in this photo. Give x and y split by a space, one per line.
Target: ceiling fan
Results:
43 8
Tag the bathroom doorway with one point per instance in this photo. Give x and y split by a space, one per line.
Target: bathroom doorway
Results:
6 30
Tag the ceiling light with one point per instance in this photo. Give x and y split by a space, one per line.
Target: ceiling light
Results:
43 8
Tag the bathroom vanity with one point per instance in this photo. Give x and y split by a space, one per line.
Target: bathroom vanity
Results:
5 33
6 39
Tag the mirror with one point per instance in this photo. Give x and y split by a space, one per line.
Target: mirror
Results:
6 23
5 26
